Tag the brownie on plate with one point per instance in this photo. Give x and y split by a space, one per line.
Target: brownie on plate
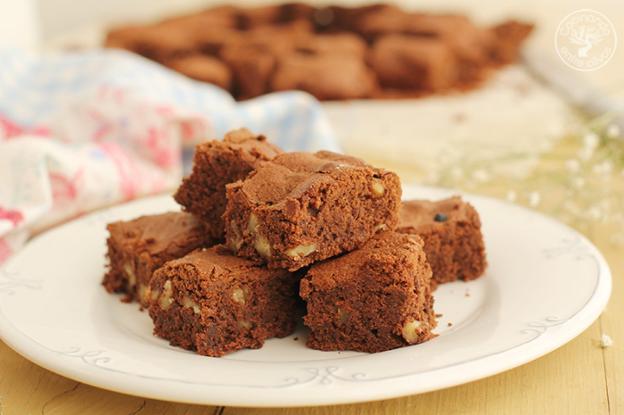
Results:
302 207
214 303
451 229
216 164
137 247
373 299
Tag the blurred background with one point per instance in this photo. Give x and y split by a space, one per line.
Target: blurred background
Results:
499 138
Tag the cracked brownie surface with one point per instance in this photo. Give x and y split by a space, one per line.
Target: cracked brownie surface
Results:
301 208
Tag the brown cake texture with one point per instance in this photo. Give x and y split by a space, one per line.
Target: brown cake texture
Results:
215 164
397 58
138 247
332 43
326 76
451 229
373 299
215 303
414 53
203 68
301 208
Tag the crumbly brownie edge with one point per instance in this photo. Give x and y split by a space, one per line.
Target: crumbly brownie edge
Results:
213 324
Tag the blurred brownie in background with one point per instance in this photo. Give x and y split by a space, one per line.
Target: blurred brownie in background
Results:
400 53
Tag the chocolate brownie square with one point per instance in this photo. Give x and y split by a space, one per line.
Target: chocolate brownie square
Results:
159 42
137 247
373 299
467 40
302 207
470 43
215 303
508 36
335 43
215 164
253 56
262 16
414 63
327 76
451 229
374 21
251 69
203 68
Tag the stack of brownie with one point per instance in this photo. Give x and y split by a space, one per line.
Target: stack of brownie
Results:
332 52
263 230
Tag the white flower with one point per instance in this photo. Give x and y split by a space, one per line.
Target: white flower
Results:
591 140
481 175
594 212
606 341
534 199
573 165
613 131
603 168
511 195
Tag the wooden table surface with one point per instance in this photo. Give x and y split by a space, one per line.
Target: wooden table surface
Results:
581 377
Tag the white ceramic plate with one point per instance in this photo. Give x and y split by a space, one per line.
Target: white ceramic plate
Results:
545 284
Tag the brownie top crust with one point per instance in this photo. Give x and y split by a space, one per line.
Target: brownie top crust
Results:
417 213
291 174
246 142
385 249
156 234
216 263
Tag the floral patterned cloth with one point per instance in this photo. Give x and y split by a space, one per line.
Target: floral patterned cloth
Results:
81 131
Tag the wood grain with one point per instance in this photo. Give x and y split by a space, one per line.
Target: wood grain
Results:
25 388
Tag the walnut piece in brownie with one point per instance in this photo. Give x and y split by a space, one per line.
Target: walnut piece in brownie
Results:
373 299
451 229
301 208
215 303
137 247
217 163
